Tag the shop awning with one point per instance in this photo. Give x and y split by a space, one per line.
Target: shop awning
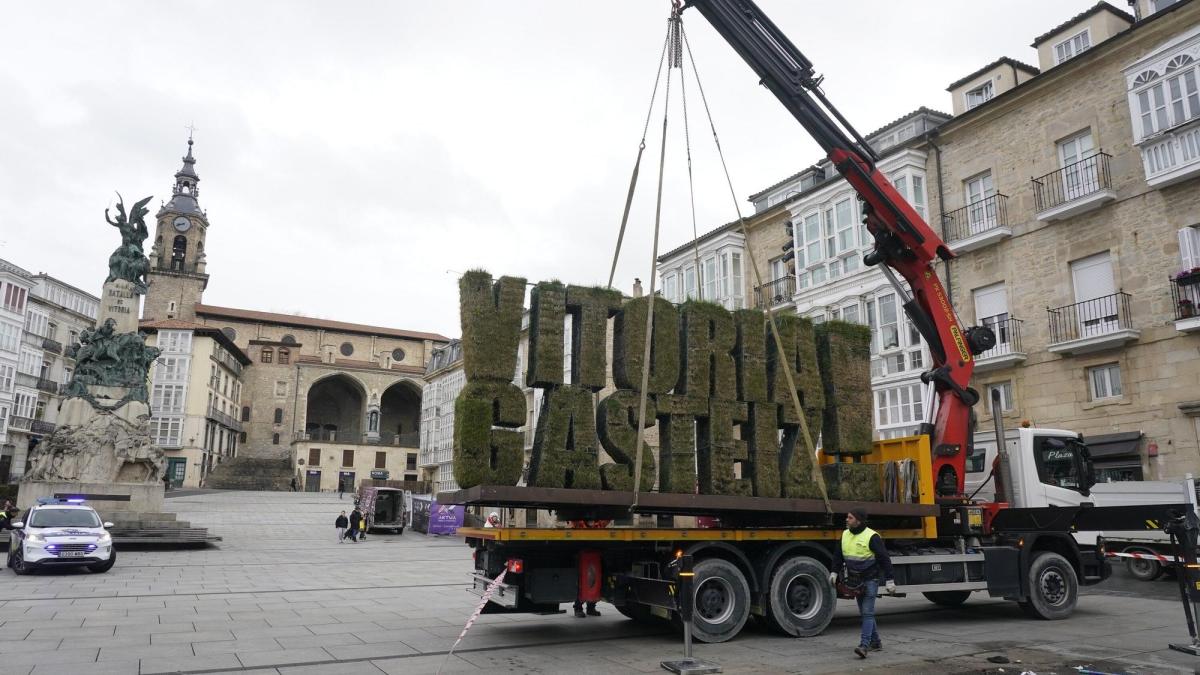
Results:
1114 446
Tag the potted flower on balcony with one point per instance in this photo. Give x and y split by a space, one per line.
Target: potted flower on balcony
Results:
1188 277
1187 308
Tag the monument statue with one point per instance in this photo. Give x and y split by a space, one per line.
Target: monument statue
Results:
103 433
129 262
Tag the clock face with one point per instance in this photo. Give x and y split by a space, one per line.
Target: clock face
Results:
182 224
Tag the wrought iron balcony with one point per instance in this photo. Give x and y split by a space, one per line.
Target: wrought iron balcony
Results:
52 345
47 385
319 435
42 427
775 292
1185 298
1092 325
1008 350
224 419
1074 189
977 224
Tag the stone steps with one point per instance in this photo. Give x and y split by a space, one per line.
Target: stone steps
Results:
252 473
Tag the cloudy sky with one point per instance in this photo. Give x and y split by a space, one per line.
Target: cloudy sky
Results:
355 157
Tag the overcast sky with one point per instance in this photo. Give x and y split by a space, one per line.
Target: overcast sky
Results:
355 157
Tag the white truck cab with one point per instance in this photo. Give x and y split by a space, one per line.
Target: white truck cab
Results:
1049 468
57 533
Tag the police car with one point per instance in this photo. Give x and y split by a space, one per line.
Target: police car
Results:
59 533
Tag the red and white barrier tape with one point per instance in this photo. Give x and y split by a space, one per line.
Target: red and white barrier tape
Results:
487 595
1142 556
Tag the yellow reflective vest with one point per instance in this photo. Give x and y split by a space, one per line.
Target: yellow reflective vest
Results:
856 550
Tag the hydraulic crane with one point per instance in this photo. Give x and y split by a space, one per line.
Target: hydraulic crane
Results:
904 242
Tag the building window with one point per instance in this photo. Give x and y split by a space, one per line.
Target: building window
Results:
274 439
1105 381
268 355
14 299
285 355
899 410
380 460
167 398
670 287
689 282
347 458
1072 46
229 333
314 456
709 272
10 335
1006 396
166 431
347 349
7 374
397 354
982 213
288 339
245 413
410 464
279 416
979 95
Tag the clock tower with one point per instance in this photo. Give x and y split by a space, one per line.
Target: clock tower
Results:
178 274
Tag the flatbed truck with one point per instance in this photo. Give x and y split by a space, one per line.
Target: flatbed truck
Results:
770 557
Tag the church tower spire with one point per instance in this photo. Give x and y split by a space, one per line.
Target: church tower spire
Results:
178 266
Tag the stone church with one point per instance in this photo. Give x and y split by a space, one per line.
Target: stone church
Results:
338 401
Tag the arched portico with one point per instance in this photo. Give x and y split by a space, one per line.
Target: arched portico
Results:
335 409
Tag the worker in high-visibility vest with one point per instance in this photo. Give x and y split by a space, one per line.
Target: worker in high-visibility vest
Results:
866 560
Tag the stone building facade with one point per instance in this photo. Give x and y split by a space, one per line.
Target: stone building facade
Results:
16 396
1072 201
195 397
341 401
55 316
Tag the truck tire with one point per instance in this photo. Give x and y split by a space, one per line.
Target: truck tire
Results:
1053 587
947 598
800 599
1143 570
722 599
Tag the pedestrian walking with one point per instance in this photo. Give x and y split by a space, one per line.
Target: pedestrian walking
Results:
341 524
865 559
355 521
295 488
362 527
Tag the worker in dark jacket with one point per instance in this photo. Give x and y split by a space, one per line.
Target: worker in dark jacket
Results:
356 517
866 560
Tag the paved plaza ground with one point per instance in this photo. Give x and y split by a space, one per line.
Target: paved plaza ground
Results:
280 595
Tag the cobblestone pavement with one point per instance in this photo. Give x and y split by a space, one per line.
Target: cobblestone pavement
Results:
281 595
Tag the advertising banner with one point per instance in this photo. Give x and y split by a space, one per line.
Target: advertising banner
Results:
445 518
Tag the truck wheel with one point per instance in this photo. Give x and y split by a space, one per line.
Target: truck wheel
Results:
800 600
1053 587
1144 570
947 598
722 599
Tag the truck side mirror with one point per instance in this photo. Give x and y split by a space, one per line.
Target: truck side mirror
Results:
1087 473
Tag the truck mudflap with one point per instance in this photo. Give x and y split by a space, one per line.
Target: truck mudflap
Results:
505 595
1094 567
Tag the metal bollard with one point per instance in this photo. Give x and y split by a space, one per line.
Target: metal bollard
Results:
685 599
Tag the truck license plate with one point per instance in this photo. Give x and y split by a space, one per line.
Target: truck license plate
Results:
71 554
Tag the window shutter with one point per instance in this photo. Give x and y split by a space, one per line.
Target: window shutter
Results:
1189 247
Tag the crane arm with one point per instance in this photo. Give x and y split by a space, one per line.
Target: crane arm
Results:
904 242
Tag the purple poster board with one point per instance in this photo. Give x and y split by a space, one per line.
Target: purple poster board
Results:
445 519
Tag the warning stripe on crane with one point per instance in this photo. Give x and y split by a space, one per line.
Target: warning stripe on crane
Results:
1170 560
